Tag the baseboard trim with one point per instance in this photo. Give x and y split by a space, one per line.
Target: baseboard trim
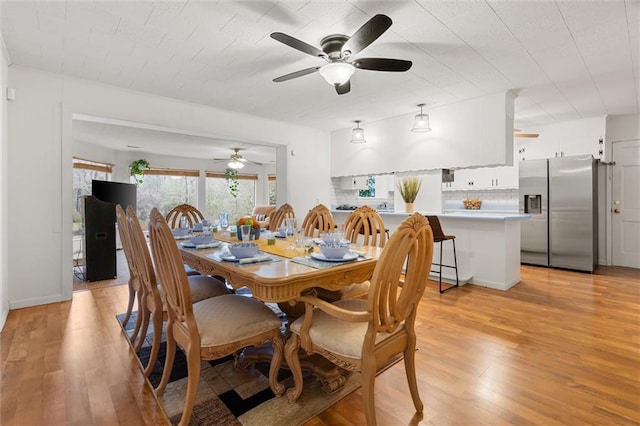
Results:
27 303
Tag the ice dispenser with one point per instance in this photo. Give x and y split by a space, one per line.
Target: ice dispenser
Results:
533 204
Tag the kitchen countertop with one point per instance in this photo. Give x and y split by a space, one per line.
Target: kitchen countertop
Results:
462 214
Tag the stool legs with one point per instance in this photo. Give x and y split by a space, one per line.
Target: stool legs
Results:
455 262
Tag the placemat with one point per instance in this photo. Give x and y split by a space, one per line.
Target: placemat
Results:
319 264
274 258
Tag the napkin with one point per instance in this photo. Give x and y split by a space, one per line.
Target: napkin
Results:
212 244
182 237
256 259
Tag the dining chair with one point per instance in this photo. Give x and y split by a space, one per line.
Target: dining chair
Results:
283 212
318 220
135 289
363 225
209 329
440 237
153 306
364 335
192 214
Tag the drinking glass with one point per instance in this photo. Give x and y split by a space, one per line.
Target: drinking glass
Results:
224 222
246 233
290 224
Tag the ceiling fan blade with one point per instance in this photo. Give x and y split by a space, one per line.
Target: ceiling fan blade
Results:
343 88
526 135
296 74
298 44
367 34
382 64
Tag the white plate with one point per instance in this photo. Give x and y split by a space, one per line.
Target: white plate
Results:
229 258
208 245
346 258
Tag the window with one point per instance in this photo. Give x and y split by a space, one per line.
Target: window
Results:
165 189
272 190
370 190
84 171
219 199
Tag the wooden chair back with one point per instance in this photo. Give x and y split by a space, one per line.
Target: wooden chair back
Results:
192 214
318 220
367 223
277 218
389 311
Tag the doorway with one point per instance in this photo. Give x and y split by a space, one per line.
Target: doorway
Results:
625 208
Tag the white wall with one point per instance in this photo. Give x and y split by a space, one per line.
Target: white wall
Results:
4 180
40 152
476 132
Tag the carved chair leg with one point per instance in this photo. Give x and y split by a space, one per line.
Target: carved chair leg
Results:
410 368
291 349
278 347
168 362
155 344
144 327
136 328
132 297
193 380
368 396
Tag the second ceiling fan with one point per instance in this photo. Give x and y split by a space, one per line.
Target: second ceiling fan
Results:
337 50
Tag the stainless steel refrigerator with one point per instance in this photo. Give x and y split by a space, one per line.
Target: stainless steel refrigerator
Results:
560 194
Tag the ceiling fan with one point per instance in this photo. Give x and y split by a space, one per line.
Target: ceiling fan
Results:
235 160
517 134
337 50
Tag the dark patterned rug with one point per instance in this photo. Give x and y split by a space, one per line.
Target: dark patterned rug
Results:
230 396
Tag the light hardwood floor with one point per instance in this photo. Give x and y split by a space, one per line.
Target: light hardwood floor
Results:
558 348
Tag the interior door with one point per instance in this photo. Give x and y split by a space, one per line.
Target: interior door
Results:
625 218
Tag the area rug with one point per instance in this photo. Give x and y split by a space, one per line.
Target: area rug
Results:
229 396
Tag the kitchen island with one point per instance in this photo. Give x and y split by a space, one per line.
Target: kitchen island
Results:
487 245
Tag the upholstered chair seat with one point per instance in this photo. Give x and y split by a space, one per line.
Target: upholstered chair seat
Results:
244 317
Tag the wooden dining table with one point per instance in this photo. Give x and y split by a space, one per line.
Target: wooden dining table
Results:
285 277
288 275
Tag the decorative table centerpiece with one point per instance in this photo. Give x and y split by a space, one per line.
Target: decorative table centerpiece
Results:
472 203
255 227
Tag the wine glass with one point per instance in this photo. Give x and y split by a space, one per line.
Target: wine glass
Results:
224 222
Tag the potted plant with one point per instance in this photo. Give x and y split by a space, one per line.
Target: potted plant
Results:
409 186
137 168
231 176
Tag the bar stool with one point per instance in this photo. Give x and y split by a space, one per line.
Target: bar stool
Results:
438 237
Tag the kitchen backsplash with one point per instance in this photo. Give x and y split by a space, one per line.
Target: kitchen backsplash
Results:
495 199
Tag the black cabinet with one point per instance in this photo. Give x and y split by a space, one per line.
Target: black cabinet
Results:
99 239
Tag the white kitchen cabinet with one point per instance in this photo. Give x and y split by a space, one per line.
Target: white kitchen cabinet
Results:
353 182
384 185
482 178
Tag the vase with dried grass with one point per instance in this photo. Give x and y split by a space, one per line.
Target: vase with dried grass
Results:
409 186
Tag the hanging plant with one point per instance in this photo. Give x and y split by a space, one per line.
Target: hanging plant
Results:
137 168
231 176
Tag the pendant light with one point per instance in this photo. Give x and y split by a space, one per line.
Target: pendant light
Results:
357 134
421 121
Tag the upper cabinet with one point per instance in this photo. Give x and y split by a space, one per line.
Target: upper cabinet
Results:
384 185
353 182
502 177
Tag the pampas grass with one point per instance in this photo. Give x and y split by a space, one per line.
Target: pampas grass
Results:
409 187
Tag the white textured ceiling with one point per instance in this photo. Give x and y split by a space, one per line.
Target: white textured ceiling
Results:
565 59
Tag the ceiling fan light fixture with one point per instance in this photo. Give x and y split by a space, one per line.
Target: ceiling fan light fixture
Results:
357 133
421 121
235 164
337 72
